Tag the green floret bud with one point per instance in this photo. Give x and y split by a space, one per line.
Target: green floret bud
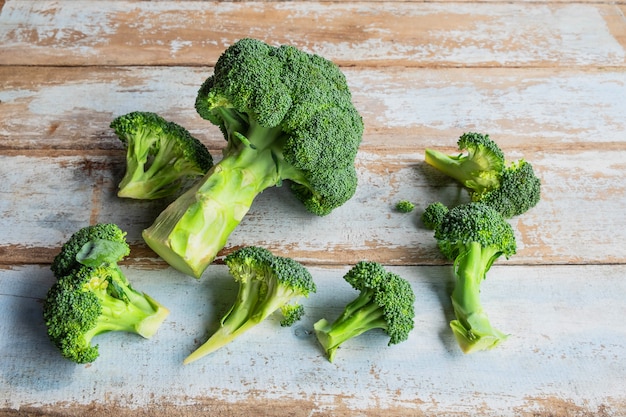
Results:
291 314
473 236
92 296
286 116
519 190
267 283
160 156
433 215
405 206
477 168
385 301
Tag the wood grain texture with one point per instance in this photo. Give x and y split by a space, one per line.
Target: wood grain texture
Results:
371 34
582 185
526 109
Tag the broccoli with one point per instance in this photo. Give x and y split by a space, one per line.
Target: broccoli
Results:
160 156
434 214
267 283
512 188
519 190
291 314
473 235
91 294
385 302
286 115
405 206
478 169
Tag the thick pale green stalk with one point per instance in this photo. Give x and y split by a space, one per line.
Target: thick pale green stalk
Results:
464 170
472 328
241 317
141 314
191 231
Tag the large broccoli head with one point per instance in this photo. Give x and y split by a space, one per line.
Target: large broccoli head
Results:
304 100
286 115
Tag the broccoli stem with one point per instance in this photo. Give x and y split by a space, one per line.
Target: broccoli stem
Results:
472 328
191 231
366 316
139 183
241 317
139 314
460 168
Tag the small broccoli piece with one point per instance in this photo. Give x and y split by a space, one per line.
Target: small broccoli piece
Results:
92 295
291 314
512 188
267 283
385 302
160 156
286 116
473 236
478 169
405 206
78 244
433 215
519 190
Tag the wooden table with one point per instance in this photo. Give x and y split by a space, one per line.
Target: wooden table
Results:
547 81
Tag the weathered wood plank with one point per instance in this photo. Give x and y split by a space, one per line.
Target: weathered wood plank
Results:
564 356
529 109
363 33
580 219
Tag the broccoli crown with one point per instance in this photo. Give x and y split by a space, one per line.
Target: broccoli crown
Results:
478 168
433 215
479 146
474 222
83 240
519 190
70 313
160 155
259 264
303 106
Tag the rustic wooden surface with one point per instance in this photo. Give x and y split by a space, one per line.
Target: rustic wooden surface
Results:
547 80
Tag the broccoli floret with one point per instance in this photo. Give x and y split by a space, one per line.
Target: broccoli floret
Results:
477 169
286 115
267 283
519 190
434 214
291 314
160 156
385 302
78 245
512 188
473 236
405 206
92 295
